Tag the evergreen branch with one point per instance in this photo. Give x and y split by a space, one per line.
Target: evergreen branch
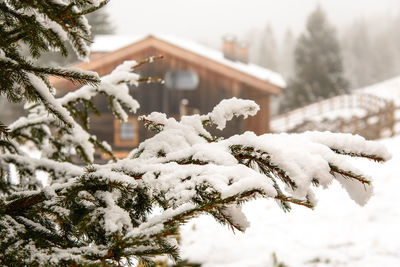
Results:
71 25
151 80
361 155
4 130
134 175
262 158
182 217
8 146
228 219
190 160
92 8
146 61
304 203
17 128
186 263
70 74
21 204
284 205
349 174
103 148
151 125
212 139
62 170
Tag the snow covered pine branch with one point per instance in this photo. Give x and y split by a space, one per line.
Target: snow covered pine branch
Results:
91 214
103 214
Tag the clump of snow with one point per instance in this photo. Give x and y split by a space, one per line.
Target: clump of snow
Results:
115 85
45 94
115 218
228 108
348 142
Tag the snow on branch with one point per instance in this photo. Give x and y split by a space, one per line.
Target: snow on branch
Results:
103 214
114 86
185 175
228 108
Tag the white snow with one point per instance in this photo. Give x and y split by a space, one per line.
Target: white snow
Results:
109 43
389 89
45 94
336 233
115 84
115 218
228 108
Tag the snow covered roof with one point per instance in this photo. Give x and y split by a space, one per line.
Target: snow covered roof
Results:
108 43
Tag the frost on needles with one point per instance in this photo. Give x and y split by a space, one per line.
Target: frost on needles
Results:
99 215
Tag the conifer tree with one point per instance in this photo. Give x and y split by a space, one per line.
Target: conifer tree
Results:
318 64
267 49
358 55
100 22
286 61
88 214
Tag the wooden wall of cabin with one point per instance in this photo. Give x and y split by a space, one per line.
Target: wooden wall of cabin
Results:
259 123
212 88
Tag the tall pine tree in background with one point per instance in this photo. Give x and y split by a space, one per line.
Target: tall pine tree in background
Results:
318 64
358 54
286 58
100 23
267 49
371 50
54 212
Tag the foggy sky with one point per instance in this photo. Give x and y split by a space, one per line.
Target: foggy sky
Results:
208 20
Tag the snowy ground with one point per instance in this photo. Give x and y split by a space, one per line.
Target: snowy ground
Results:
337 233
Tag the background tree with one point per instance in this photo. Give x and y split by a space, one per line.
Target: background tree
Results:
318 64
101 215
358 54
371 50
286 55
267 49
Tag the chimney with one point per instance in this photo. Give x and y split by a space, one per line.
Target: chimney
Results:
229 47
242 52
235 51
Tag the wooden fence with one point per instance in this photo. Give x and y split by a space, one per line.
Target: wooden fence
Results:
365 114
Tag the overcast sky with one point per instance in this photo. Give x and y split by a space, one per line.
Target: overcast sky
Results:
208 20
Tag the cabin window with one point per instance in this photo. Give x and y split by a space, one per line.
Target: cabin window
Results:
126 133
181 80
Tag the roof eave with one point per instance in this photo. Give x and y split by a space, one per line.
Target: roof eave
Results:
153 41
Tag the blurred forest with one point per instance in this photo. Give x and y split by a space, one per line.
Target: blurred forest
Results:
369 49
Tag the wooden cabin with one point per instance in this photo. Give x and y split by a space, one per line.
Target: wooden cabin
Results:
196 79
